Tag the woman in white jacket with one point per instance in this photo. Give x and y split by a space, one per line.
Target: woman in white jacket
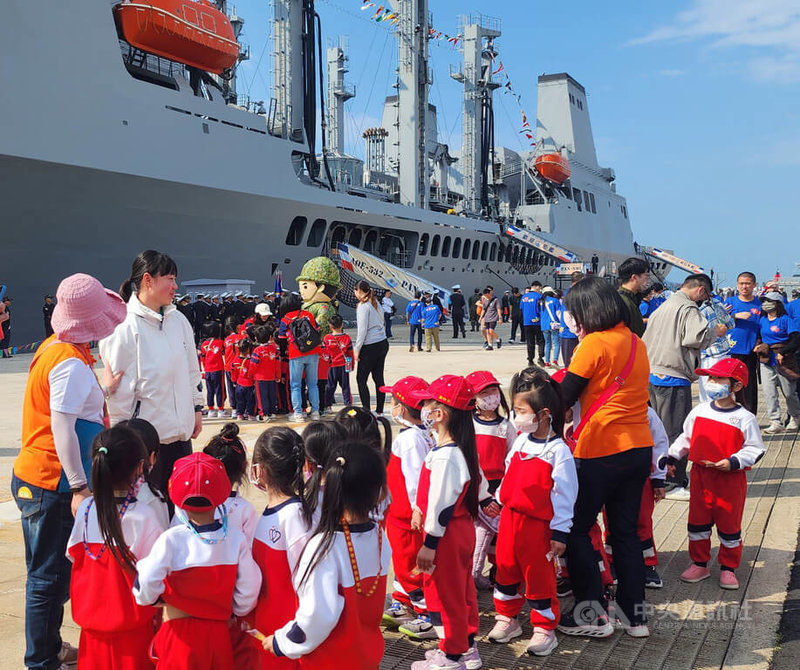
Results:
151 363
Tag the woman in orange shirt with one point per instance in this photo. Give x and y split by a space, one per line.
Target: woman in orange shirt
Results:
612 456
62 412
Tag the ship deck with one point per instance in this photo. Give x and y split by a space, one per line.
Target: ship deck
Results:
692 625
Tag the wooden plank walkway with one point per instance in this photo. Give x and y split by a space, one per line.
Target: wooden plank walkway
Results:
691 625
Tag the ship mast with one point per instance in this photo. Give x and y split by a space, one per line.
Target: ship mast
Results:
287 69
338 94
412 92
478 136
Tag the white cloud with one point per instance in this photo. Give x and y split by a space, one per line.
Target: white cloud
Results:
771 27
672 73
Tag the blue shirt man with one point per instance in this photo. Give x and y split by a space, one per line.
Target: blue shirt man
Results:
431 315
745 308
529 305
414 312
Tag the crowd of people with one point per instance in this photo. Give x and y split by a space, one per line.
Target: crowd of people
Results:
168 566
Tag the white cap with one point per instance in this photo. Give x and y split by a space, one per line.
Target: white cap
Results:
455 286
262 309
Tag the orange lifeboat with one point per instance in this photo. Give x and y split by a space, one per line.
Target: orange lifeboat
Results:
192 32
554 167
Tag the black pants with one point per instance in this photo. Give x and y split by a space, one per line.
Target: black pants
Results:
415 328
5 342
473 322
162 470
371 360
673 404
534 337
568 345
516 322
615 481
458 324
338 376
748 396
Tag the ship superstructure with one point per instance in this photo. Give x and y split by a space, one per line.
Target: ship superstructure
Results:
139 151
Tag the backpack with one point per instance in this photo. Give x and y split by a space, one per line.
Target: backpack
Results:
305 334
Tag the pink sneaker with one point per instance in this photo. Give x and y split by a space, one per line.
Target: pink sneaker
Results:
727 580
438 661
471 660
695 573
542 643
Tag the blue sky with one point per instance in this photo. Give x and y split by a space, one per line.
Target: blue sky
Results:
694 103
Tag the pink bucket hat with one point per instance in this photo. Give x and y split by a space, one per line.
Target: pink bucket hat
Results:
86 311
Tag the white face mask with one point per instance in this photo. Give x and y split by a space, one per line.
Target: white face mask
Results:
253 477
397 417
717 391
425 417
526 423
488 402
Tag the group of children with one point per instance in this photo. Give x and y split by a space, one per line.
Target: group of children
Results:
303 583
251 369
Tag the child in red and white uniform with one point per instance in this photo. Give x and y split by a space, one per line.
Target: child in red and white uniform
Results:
723 440
341 578
323 368
115 632
446 507
213 366
266 369
202 569
408 453
228 448
538 495
230 355
245 382
494 437
340 347
282 532
144 490
652 493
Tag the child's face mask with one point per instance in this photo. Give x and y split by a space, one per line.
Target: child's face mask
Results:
488 402
717 391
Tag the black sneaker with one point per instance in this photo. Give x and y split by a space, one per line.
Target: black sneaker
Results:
499 343
563 587
596 625
652 580
541 363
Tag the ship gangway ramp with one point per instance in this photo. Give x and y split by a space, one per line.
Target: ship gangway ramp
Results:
671 259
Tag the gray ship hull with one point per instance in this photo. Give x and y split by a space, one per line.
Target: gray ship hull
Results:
60 219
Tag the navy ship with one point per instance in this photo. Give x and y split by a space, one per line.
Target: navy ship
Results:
108 148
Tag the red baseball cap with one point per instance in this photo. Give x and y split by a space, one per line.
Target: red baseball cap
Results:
403 388
199 476
451 390
727 367
480 379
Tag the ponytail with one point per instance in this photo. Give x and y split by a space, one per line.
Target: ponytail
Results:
355 478
279 450
228 447
318 438
364 287
116 455
361 425
149 262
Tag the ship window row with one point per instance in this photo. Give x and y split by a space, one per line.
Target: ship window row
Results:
297 229
447 247
584 199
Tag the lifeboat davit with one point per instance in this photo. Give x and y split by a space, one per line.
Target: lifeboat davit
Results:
554 167
191 32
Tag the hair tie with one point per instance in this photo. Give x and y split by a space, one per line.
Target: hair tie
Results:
340 460
351 412
102 450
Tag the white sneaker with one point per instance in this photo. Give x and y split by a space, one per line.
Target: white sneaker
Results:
542 643
472 659
793 424
679 493
774 427
212 414
438 661
315 416
505 629
298 417
397 614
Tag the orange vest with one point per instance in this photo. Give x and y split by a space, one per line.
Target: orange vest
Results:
38 462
